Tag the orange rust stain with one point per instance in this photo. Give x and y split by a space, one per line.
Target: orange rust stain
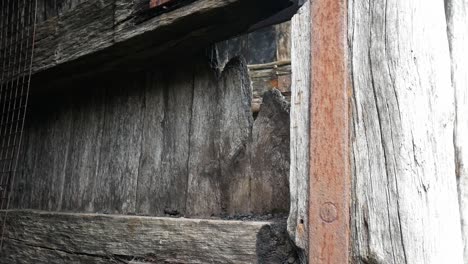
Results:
274 83
330 184
284 83
155 3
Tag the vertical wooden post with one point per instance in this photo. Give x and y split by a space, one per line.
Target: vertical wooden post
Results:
329 197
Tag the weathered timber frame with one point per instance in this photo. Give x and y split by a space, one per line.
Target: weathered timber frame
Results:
73 43
373 100
325 222
372 171
323 225
138 32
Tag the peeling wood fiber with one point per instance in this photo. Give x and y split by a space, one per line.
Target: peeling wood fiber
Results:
405 206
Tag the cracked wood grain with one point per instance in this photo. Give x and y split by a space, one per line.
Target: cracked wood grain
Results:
405 204
457 27
299 128
92 238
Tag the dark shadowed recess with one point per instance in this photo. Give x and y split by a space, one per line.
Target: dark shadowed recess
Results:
173 141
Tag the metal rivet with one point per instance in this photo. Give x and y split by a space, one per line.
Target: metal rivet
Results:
328 212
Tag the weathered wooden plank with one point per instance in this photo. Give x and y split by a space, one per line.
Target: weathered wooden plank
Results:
151 189
178 98
47 9
299 128
204 190
21 253
219 179
87 28
29 182
65 37
270 156
457 26
405 206
119 159
21 188
235 136
48 167
91 27
85 146
85 238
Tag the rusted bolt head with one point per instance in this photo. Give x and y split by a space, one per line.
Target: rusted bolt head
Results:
328 212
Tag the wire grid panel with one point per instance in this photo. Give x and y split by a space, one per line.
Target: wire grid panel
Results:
17 25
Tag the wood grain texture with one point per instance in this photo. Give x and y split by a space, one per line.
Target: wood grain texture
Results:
81 174
119 158
235 140
405 204
44 158
18 252
204 190
47 9
270 150
457 29
299 128
174 141
91 238
152 187
178 98
97 35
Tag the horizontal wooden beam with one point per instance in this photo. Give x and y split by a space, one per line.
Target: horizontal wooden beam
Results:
98 35
269 76
45 237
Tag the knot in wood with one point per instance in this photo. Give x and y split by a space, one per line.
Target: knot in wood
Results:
328 212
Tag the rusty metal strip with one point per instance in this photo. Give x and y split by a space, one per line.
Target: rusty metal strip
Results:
330 184
156 3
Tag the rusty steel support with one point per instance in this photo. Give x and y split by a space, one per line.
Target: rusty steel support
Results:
330 180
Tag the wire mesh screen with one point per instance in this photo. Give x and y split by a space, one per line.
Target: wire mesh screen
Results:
17 30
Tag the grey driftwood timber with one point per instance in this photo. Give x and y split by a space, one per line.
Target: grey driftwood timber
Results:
299 128
405 204
53 238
